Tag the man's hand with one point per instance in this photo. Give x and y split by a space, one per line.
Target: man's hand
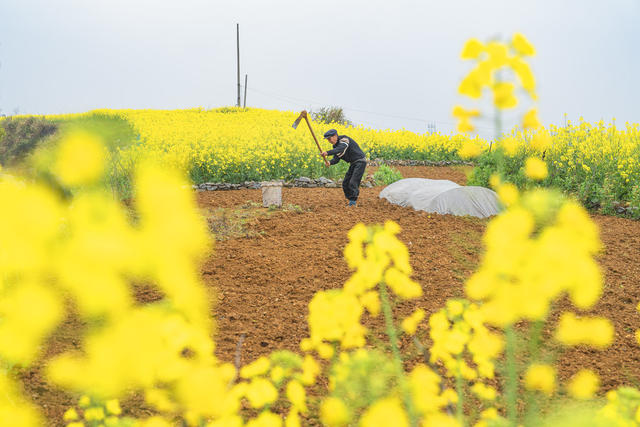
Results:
323 154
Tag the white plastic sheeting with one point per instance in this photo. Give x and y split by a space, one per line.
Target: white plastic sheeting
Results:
442 197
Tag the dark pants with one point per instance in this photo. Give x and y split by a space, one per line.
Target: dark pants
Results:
351 181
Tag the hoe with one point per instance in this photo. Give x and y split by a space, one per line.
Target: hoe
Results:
297 122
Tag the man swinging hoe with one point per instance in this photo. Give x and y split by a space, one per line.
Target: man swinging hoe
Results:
344 148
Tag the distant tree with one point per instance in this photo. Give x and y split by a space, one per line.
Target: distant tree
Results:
20 136
330 115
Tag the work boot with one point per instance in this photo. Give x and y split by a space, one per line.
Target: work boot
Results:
352 203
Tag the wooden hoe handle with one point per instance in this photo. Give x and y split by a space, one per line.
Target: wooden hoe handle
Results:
326 163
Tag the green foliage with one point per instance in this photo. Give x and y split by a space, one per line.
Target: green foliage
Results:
227 110
362 378
330 115
114 131
20 136
386 175
596 190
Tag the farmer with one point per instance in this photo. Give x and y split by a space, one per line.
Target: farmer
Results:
348 150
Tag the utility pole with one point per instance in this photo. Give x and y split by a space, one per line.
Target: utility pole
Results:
238 49
245 92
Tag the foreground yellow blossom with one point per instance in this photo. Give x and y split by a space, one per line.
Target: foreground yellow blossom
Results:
535 168
541 378
597 332
584 384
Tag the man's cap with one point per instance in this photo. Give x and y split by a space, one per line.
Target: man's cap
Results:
330 133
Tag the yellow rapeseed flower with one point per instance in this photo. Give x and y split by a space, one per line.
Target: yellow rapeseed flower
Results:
541 378
334 413
297 395
472 49
483 391
503 96
522 45
410 324
509 145
265 419
258 367
595 331
261 392
113 407
384 413
310 370
508 194
530 119
541 141
70 415
371 301
401 284
469 150
535 168
584 384
80 159
94 414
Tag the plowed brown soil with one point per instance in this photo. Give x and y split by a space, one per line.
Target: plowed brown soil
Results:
261 284
264 283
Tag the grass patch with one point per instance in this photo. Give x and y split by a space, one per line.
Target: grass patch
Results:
465 248
240 222
386 175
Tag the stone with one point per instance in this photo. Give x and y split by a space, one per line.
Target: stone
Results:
271 193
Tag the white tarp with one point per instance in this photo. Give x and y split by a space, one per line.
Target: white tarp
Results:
442 197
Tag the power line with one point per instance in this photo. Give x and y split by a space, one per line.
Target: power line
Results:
307 102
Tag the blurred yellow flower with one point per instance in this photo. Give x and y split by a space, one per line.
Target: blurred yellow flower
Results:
472 49
469 150
410 324
541 378
541 141
258 367
503 96
522 45
530 119
113 407
584 384
261 392
70 415
483 391
535 169
595 331
508 194
297 395
80 159
334 413
384 413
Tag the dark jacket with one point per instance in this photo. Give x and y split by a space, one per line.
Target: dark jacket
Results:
346 149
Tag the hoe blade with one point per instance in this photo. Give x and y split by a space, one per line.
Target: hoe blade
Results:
297 122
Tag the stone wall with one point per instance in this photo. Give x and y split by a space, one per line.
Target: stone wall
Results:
303 182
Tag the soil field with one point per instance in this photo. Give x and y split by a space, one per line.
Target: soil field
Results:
264 282
263 275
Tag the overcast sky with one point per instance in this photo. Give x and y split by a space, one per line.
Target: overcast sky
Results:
389 64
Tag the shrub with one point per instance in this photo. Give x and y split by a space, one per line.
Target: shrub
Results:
330 115
20 136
